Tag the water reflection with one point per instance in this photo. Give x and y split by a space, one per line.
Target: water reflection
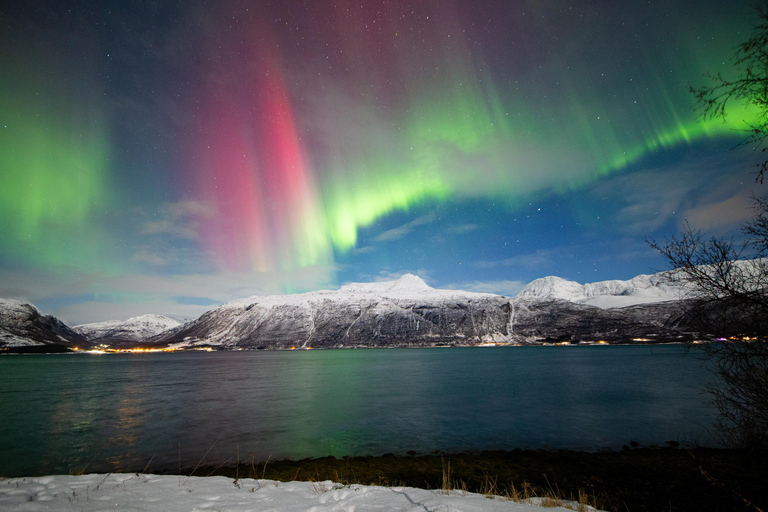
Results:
126 427
117 412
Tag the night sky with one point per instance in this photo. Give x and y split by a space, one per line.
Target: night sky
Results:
167 156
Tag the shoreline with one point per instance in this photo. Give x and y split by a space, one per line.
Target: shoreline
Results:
61 349
632 479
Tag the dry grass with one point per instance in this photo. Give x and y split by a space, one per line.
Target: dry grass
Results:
323 487
637 480
548 498
449 484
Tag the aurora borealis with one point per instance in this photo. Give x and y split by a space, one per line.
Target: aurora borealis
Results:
168 156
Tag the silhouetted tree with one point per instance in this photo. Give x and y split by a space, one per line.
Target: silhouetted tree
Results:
727 297
727 282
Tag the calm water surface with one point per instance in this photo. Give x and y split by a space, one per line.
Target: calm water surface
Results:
61 413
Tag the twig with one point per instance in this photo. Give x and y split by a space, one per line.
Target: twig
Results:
714 481
264 471
217 467
99 485
82 471
148 463
200 461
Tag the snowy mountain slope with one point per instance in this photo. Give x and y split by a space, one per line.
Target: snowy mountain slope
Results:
132 330
402 313
23 326
407 312
408 286
643 289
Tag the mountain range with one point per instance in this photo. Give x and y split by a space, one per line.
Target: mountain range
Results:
129 332
643 289
402 313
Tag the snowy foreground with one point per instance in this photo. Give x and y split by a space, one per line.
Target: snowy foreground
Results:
133 492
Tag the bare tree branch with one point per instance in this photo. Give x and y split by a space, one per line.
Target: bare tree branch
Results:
750 85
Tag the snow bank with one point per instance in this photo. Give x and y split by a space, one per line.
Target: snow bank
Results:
135 492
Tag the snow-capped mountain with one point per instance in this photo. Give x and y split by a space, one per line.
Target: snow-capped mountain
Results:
132 330
408 312
402 313
24 327
643 289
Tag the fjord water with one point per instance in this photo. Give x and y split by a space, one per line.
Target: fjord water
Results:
118 412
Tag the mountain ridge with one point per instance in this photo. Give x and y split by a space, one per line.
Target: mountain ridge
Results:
357 314
407 312
641 289
408 285
23 327
403 312
133 330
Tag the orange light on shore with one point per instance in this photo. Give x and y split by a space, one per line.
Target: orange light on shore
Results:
101 349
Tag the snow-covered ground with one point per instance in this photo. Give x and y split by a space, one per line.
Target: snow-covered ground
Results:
134 492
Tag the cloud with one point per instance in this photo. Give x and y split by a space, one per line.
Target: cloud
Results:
148 256
93 311
461 229
647 200
386 275
724 208
78 297
540 258
724 214
190 208
180 219
363 250
623 249
399 232
500 287
169 257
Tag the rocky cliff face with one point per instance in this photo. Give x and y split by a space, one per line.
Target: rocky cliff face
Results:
560 320
408 313
401 313
24 328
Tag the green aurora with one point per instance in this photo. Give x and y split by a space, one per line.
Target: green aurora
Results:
55 170
110 165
